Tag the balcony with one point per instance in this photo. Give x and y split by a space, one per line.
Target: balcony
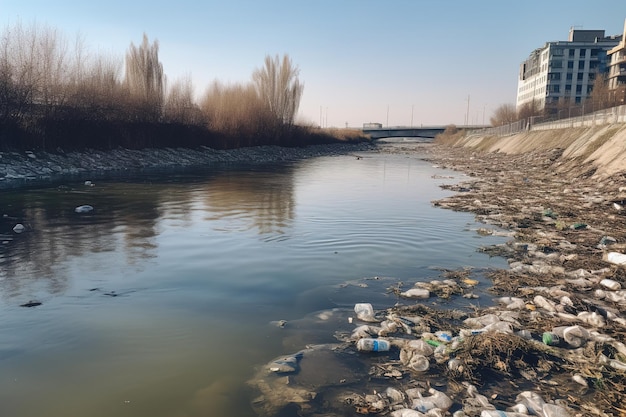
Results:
618 58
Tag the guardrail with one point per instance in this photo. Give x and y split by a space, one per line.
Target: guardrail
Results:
601 117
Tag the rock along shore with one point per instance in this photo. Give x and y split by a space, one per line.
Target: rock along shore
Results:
19 169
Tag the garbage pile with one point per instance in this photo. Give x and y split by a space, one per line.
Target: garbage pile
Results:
530 355
551 341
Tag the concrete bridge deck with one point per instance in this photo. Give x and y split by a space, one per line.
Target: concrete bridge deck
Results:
410 132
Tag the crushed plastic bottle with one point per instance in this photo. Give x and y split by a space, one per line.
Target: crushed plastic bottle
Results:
611 284
420 346
553 410
575 336
365 312
436 399
615 258
419 293
533 402
286 364
419 363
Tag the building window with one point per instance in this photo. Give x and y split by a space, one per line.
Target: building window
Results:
570 64
583 53
556 64
577 100
571 53
579 76
579 89
554 88
581 65
595 53
554 76
557 52
569 76
568 88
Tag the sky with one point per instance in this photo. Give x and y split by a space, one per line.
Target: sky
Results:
395 62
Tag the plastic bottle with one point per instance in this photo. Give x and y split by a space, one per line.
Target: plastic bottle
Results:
611 284
373 345
553 410
406 412
498 413
615 258
419 363
533 402
440 399
551 339
443 336
575 336
423 404
420 346
364 312
420 293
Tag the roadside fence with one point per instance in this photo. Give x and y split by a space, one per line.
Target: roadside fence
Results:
601 117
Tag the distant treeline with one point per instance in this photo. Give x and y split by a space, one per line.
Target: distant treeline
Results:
53 95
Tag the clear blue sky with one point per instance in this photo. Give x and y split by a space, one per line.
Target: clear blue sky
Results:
360 60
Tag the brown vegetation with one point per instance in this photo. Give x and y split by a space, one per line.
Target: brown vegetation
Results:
53 95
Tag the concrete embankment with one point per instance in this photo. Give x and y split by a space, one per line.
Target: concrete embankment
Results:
602 148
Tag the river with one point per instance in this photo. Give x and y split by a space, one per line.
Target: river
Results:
163 300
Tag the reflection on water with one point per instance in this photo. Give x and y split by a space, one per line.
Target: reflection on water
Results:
160 301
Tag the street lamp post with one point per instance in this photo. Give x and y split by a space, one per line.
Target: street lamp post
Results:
387 116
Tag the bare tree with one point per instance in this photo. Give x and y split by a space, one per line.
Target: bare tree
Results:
99 93
280 89
503 115
528 110
180 105
19 66
144 76
600 94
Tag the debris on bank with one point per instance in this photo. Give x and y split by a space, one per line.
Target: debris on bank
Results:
552 343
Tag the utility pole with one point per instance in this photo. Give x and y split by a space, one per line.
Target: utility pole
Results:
387 116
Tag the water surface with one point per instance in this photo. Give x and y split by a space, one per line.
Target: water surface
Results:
160 301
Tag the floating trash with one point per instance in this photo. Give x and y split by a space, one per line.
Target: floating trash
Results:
83 209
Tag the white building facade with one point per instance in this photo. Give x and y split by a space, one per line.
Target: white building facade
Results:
564 71
617 71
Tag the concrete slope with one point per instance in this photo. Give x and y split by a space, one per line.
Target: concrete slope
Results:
600 147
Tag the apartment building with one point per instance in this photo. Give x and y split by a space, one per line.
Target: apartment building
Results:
617 71
564 71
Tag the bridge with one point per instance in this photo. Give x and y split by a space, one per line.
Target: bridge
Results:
378 132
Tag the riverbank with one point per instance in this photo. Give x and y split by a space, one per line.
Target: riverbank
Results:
553 345
562 194
21 169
